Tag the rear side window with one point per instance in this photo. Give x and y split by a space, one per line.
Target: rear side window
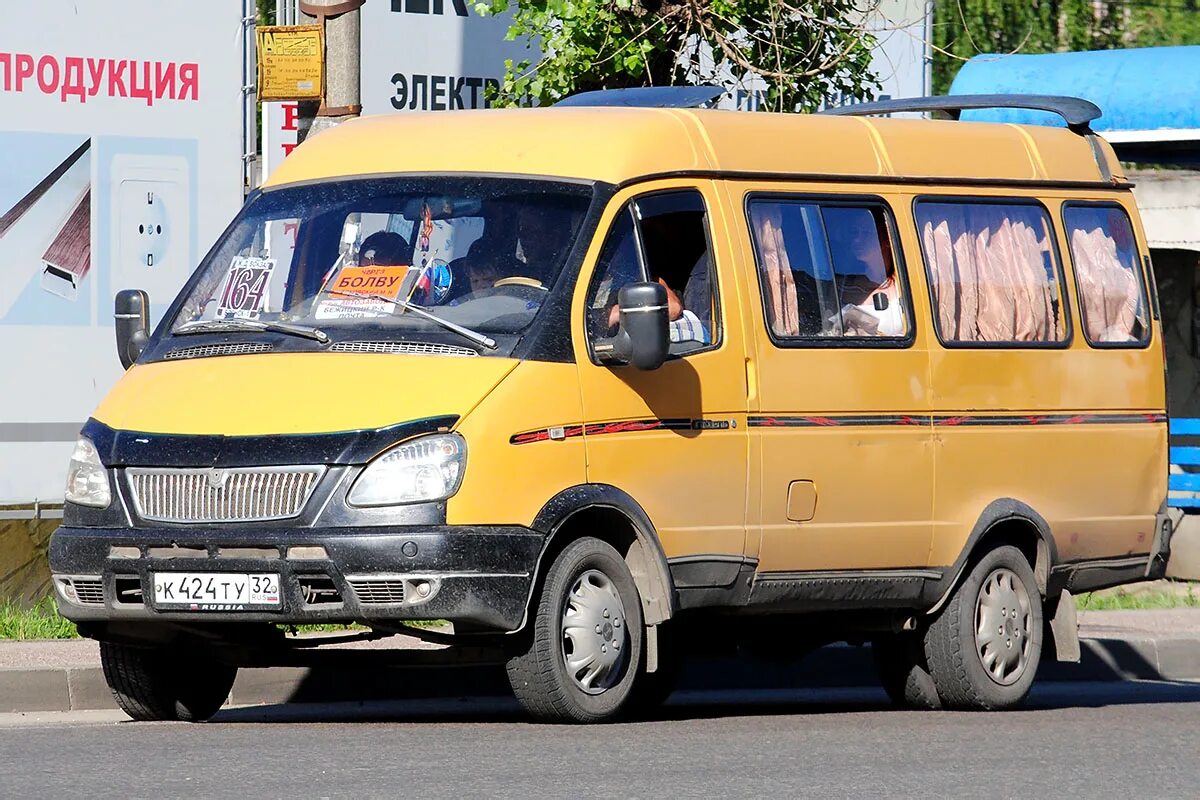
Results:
1112 297
993 273
827 271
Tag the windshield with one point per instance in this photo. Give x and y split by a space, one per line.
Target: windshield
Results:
478 255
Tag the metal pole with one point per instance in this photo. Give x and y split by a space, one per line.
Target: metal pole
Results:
342 96
927 77
250 176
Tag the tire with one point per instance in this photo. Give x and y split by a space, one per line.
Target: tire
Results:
165 683
1000 591
588 580
900 662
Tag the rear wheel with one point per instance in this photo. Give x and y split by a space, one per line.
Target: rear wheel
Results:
579 661
900 662
984 646
165 683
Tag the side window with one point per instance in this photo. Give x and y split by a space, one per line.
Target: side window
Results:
993 272
1112 298
660 237
827 271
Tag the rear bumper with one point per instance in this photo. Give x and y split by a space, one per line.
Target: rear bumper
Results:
481 575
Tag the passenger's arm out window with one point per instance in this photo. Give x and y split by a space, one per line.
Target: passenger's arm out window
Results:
993 272
660 237
827 271
1104 252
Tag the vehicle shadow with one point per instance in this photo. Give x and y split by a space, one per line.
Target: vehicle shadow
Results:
838 681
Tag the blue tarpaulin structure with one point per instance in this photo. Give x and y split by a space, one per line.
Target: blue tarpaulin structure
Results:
1150 96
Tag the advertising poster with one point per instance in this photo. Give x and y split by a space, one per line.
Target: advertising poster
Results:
291 61
120 163
432 55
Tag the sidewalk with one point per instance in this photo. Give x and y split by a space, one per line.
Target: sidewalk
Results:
66 675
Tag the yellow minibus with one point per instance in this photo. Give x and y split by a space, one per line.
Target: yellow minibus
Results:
569 378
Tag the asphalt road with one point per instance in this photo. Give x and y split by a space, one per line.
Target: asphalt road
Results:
1074 740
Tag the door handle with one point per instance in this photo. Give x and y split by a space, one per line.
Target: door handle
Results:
751 380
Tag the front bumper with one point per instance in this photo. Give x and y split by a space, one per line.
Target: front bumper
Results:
480 575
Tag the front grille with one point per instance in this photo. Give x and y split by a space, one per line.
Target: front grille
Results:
378 591
245 494
206 350
89 592
416 348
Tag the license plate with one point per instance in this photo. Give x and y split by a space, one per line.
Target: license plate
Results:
216 591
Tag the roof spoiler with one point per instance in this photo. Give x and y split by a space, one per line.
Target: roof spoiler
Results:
646 97
1075 111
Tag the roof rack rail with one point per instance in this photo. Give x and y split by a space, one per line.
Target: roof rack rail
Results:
647 97
1075 111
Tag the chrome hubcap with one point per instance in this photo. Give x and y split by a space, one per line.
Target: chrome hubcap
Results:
594 636
1002 633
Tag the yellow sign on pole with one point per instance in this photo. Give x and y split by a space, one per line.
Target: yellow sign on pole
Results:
291 62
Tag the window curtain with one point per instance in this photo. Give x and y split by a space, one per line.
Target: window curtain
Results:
1108 291
775 271
988 269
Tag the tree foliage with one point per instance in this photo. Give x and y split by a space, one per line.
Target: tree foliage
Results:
795 52
965 28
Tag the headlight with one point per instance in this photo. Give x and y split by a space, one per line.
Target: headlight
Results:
87 480
423 470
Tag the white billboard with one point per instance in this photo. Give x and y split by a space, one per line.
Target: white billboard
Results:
422 55
901 29
432 55
120 163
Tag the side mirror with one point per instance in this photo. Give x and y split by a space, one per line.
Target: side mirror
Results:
131 314
644 335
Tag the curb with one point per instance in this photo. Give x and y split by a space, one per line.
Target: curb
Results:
423 674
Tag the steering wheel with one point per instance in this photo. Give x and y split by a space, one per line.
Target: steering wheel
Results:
518 280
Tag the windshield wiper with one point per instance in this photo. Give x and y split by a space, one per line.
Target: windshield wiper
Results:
478 338
214 325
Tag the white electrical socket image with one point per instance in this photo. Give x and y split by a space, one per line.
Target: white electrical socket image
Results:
150 231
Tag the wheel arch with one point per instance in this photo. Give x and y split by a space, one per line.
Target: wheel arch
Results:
1003 521
613 516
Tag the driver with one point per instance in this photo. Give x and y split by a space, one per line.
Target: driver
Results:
543 234
532 254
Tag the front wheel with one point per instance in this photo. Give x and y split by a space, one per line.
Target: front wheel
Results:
984 646
580 659
165 683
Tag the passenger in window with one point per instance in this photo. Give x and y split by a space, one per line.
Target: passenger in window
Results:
675 266
490 258
382 249
866 269
677 258
685 324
